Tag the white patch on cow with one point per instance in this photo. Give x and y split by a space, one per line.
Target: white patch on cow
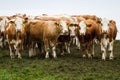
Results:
47 54
3 23
104 44
111 50
105 23
1 43
17 43
64 26
83 27
18 53
19 23
12 42
54 52
11 53
72 31
31 52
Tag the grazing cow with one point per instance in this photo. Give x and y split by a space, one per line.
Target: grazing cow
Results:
86 33
15 34
109 32
46 32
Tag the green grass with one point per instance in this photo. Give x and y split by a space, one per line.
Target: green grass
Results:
68 67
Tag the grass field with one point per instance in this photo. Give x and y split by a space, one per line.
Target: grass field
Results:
68 67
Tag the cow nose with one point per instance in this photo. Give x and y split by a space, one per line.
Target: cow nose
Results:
104 31
18 30
82 33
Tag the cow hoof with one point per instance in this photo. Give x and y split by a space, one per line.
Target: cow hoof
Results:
46 57
12 57
84 56
19 57
89 56
62 54
103 59
111 58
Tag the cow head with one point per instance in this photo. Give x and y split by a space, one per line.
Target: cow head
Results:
3 22
82 27
18 23
64 26
105 25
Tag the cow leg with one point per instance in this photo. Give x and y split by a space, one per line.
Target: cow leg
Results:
89 53
31 50
110 49
54 52
93 49
46 48
67 47
47 53
103 49
62 46
18 53
11 52
104 44
77 43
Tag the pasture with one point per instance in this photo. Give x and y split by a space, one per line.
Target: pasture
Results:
67 67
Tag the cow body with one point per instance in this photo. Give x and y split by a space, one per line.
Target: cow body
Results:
46 32
86 33
15 34
109 32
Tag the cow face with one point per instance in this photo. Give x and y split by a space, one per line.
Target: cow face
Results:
72 31
3 23
83 28
105 25
64 27
18 23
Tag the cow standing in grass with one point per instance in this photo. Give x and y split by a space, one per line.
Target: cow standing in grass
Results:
15 34
88 30
46 32
109 32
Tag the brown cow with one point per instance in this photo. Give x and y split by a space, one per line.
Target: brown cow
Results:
15 34
46 32
109 32
87 31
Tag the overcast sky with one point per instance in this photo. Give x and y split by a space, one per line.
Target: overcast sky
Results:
101 8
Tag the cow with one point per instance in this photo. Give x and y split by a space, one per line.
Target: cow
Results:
109 32
15 35
3 22
88 30
46 32
64 39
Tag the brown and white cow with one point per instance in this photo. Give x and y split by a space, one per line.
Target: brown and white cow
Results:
15 34
109 32
3 22
46 32
86 33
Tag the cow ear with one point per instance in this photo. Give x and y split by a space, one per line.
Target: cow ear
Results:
112 21
12 21
25 20
89 25
56 23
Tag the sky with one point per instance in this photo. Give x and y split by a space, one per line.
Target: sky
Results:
101 8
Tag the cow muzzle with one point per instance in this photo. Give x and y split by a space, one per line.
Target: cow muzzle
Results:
104 31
